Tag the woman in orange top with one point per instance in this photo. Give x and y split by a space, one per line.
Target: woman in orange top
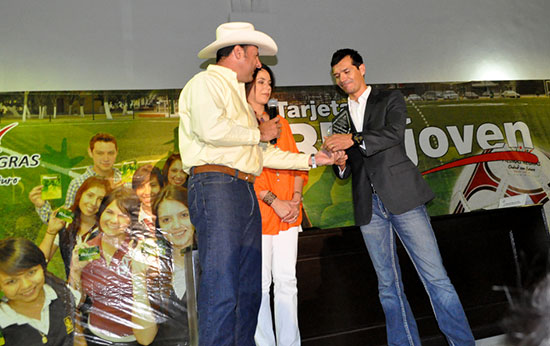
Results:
280 195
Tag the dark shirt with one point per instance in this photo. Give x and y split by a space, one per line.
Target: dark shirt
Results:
62 324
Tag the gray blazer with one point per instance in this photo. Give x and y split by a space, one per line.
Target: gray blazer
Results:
384 164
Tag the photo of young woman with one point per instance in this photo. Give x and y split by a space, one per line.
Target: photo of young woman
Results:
177 300
147 182
37 308
86 204
111 270
172 171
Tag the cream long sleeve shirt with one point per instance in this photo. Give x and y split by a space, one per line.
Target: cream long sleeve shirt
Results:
217 126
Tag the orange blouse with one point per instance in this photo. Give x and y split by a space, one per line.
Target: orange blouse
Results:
281 183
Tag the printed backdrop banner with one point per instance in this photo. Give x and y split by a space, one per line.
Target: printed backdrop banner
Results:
476 143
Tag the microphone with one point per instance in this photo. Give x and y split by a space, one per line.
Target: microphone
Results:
272 111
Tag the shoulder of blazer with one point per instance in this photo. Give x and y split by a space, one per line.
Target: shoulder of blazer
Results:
383 95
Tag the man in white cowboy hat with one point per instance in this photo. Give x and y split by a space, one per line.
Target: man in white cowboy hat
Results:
223 149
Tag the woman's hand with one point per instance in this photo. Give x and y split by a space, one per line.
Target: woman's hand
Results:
36 196
55 224
144 254
297 197
77 265
77 262
287 210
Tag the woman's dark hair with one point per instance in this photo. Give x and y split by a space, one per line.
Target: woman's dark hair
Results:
18 254
144 174
74 226
249 85
166 168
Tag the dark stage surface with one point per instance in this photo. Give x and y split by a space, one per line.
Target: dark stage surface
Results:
484 252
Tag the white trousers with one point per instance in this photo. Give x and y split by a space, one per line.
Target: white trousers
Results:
279 259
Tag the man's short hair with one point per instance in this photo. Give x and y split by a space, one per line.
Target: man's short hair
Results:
340 54
225 51
102 137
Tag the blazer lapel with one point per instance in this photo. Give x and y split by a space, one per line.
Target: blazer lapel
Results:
371 101
350 121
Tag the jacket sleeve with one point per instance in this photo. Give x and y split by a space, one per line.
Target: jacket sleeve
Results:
393 131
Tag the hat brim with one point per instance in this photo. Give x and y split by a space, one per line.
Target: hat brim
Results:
266 45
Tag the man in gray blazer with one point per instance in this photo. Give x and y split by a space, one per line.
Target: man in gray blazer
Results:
389 194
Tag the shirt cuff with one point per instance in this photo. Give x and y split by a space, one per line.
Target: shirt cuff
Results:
341 171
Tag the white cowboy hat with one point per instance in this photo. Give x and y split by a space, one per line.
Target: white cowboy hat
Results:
232 33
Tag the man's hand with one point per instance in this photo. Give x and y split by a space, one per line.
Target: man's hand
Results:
338 142
323 157
341 162
36 196
270 129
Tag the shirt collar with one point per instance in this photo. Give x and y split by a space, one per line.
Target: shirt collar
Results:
8 316
364 96
144 216
90 170
226 72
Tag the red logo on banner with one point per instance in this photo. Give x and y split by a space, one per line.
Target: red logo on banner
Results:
6 129
488 157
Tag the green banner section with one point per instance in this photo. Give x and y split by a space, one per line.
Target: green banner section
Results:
47 133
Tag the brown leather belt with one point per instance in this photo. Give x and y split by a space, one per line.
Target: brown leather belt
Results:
224 169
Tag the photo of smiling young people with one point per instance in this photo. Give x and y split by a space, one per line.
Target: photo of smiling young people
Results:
37 308
111 270
103 151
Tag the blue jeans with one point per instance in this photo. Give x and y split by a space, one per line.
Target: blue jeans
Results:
225 213
416 234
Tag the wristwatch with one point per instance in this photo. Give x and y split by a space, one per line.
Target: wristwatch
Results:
357 138
313 162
